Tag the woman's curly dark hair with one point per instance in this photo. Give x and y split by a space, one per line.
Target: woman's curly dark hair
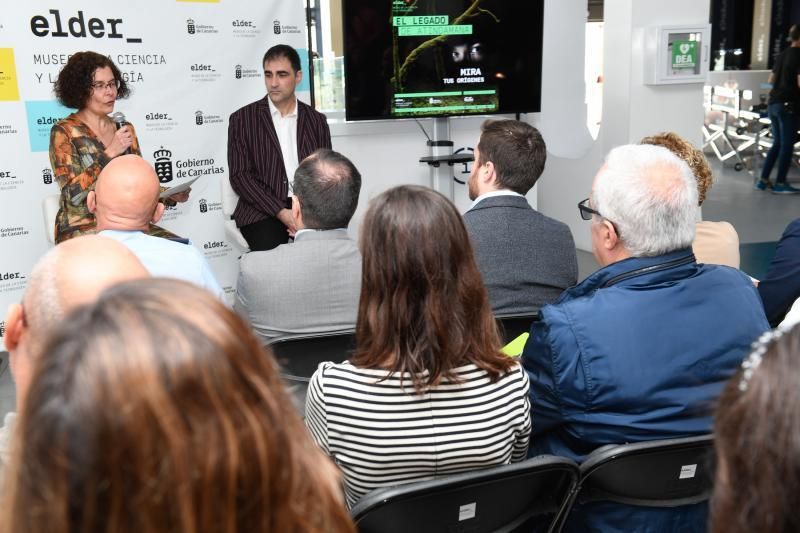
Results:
74 83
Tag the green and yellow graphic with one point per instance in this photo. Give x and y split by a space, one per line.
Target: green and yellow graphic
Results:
9 89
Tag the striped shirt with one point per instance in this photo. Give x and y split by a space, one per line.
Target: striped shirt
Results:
380 433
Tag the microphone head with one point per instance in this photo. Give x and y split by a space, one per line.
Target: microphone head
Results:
118 117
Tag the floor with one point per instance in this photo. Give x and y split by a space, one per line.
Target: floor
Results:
759 218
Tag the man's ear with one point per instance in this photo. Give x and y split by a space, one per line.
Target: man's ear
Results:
14 326
91 201
158 213
296 211
488 174
608 235
298 77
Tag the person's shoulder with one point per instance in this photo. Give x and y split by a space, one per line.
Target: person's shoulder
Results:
262 263
247 109
793 227
310 112
68 123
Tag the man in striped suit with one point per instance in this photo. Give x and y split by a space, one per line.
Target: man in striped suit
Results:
266 141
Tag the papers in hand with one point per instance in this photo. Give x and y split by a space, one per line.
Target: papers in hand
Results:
177 189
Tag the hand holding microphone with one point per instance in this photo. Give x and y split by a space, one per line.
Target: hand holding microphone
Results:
123 138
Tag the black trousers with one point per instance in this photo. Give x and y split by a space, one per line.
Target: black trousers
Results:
266 234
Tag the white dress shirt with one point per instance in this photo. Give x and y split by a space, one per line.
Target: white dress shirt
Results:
286 129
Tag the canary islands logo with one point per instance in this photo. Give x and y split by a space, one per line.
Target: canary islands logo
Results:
203 205
190 28
47 176
163 165
201 118
276 27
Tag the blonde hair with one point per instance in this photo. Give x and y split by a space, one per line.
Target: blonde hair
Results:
692 156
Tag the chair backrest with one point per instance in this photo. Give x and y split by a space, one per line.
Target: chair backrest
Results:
50 208
300 356
229 197
229 200
512 326
503 498
665 473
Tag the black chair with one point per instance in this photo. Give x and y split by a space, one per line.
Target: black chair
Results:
300 356
512 326
662 473
516 497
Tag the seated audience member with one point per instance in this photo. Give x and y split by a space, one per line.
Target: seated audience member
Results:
640 349
310 285
526 259
156 409
69 275
427 392
125 202
781 287
714 242
755 435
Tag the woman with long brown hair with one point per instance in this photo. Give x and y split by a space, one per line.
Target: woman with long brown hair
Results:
427 392
157 410
757 440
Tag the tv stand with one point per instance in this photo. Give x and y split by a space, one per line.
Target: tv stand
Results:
441 151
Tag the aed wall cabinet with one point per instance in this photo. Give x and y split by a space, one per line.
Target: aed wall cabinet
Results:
676 54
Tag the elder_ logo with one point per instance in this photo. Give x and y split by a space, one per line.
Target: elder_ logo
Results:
198 118
276 27
203 205
47 176
190 26
238 72
163 165
78 26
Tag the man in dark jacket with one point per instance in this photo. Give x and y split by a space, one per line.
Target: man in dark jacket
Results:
640 349
526 259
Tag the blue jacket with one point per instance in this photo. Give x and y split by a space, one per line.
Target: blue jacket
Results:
638 351
781 287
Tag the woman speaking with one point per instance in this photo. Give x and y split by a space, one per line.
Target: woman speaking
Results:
85 141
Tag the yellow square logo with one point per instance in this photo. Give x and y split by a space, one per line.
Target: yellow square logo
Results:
9 90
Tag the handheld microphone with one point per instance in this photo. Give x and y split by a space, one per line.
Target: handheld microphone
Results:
119 119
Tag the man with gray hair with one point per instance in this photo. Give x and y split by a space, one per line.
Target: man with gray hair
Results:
640 349
313 284
72 274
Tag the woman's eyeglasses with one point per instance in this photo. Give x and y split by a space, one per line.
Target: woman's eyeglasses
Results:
102 85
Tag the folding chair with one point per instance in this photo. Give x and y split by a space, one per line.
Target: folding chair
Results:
662 473
300 356
512 326
531 493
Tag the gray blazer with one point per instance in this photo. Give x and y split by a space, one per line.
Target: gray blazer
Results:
526 258
309 286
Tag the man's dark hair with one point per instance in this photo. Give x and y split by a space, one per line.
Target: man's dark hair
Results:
283 50
327 185
517 151
794 32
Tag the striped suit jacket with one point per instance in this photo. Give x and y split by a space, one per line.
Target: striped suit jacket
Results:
255 161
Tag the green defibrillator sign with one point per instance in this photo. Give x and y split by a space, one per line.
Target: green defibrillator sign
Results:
684 54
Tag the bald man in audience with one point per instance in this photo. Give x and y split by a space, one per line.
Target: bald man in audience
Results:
72 274
125 202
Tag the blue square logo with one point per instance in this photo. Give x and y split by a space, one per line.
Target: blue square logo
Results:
42 114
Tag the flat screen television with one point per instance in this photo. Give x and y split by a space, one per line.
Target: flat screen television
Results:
431 58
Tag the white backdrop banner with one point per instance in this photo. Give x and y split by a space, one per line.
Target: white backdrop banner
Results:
190 64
